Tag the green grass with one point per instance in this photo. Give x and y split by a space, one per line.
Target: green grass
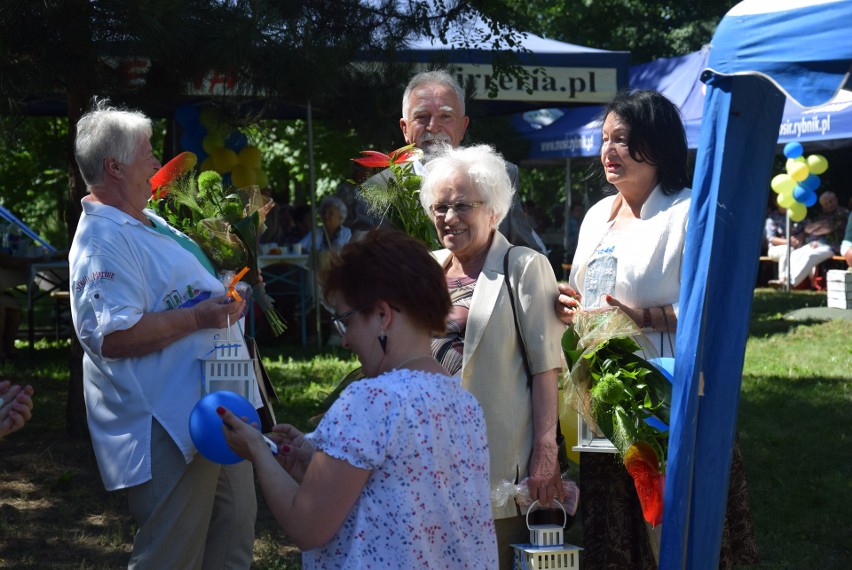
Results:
794 427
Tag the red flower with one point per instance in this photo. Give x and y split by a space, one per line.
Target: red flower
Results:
174 169
643 465
375 159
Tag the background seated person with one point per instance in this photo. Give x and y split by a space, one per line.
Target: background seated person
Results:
332 234
775 233
822 240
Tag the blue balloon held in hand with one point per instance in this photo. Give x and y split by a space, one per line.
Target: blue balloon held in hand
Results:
205 425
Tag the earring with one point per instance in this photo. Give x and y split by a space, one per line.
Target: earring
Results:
383 342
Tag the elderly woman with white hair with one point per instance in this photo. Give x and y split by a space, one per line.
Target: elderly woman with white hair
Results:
332 235
467 193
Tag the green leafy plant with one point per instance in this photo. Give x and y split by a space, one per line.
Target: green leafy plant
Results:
394 193
224 223
617 393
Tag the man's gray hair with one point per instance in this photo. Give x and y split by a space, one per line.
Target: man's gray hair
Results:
108 132
437 77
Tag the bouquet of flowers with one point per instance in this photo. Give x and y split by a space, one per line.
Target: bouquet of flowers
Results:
394 193
622 397
224 223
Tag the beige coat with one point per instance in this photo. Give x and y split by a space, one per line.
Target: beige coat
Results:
492 368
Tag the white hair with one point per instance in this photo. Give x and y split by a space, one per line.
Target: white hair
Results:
108 132
437 77
485 169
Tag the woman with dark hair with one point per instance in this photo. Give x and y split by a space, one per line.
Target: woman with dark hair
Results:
629 255
396 473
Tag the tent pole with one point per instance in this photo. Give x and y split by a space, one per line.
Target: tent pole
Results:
313 193
566 218
787 284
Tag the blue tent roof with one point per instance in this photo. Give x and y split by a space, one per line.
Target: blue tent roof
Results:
804 48
576 131
574 74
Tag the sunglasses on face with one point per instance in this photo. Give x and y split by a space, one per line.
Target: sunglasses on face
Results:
460 208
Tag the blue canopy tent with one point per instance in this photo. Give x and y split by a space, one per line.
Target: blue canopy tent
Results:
575 132
760 52
558 73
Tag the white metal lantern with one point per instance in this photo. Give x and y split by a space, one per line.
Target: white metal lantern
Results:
225 370
546 548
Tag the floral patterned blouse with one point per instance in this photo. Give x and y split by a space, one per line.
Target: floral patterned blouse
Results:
426 503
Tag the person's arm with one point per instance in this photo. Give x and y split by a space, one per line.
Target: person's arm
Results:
545 481
310 513
663 319
155 331
16 407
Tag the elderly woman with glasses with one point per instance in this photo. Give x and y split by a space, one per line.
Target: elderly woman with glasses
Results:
396 473
467 192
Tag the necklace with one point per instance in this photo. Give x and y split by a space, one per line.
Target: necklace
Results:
412 359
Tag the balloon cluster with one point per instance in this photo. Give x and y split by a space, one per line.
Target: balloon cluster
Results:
797 188
227 152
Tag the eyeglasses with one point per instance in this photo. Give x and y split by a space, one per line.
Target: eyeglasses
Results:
339 321
460 208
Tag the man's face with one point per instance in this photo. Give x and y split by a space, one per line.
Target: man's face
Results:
434 116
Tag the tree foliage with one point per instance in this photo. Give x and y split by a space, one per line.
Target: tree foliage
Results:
649 29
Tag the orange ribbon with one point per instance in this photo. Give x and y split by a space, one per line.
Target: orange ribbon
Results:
232 292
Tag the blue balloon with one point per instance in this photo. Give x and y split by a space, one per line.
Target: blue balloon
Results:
236 141
196 130
205 425
809 199
799 193
193 145
666 365
793 150
812 182
186 115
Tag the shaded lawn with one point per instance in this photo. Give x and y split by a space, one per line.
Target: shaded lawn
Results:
795 422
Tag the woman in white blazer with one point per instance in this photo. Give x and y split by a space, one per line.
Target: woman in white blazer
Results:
467 192
629 255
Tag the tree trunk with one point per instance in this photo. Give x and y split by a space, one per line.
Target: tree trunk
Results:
78 80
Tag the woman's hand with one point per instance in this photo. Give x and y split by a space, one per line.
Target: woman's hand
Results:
545 481
637 315
295 451
243 438
567 303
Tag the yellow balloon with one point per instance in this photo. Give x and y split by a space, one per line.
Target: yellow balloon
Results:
261 179
783 184
242 176
797 212
250 156
225 159
785 199
208 164
211 142
817 164
798 171
568 424
208 117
